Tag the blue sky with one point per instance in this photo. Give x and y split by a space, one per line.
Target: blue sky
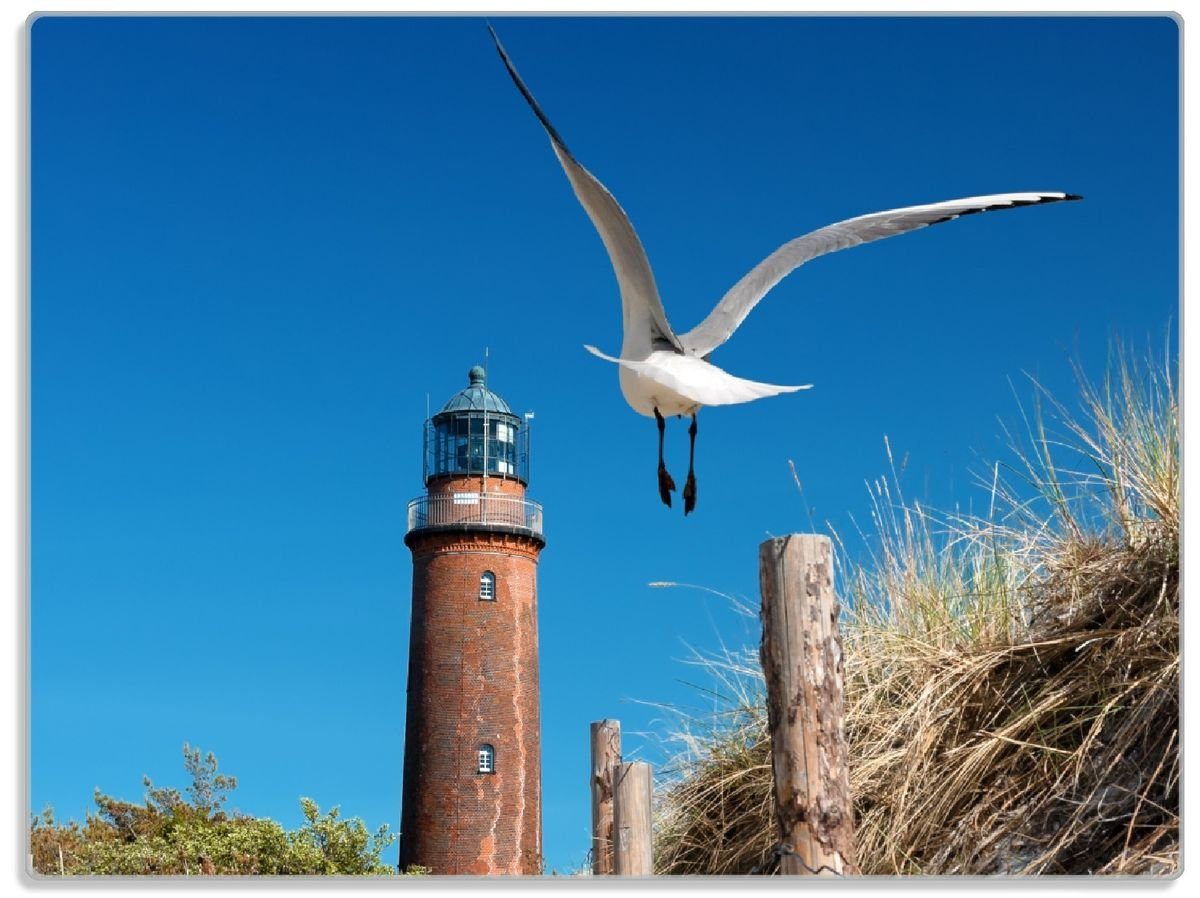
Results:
259 244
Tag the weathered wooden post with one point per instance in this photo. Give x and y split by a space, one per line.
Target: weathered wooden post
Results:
606 755
802 662
631 820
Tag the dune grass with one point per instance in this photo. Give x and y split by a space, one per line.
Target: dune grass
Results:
1011 677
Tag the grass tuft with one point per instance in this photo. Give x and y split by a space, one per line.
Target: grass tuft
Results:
1012 679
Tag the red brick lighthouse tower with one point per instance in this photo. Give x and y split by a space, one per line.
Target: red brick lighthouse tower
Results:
472 751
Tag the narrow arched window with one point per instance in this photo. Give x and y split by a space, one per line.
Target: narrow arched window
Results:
487 759
487 587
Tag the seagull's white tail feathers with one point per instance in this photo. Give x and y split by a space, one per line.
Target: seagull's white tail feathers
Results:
596 352
732 390
695 380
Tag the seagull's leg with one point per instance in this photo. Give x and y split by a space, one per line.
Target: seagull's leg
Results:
689 488
666 485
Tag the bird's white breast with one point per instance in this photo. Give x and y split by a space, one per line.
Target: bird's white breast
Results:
645 395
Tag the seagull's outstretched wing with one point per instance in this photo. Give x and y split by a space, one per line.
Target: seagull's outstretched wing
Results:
733 308
639 295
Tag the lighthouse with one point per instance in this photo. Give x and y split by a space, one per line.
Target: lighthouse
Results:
472 800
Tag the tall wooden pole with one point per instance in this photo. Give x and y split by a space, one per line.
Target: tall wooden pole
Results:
802 663
631 820
606 755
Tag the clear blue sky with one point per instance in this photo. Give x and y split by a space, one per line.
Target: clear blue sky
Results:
259 243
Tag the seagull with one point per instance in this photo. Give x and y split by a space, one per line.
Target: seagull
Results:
663 373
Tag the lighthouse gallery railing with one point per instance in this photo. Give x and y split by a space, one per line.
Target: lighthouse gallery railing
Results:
474 508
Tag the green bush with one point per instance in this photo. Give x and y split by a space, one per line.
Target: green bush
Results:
190 834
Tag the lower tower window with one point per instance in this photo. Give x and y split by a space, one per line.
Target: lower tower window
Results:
487 587
487 759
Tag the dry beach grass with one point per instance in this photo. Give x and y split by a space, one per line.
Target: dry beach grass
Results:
1011 678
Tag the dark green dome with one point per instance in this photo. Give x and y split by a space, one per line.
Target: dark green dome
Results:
477 397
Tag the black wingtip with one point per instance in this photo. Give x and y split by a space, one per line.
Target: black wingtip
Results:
1041 200
533 104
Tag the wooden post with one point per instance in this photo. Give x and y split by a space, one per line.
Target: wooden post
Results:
606 755
631 820
802 664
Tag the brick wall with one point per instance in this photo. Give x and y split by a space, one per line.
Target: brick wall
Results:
473 680
449 485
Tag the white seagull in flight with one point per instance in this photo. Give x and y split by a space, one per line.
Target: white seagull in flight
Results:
663 373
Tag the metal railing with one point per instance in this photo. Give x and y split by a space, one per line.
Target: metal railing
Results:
474 508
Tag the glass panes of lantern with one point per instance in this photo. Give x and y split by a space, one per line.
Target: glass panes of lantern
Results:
470 444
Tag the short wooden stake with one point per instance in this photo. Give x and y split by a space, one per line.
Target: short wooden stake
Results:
606 755
802 662
631 820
